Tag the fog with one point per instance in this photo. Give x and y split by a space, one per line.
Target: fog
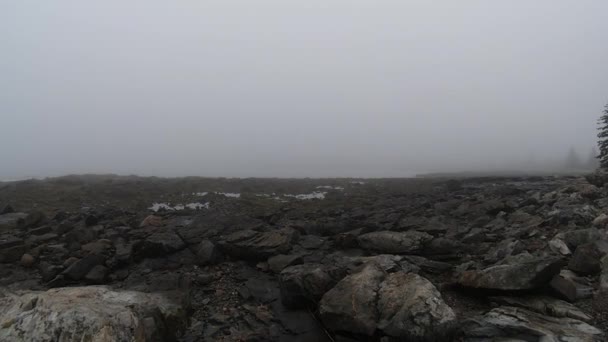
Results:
297 89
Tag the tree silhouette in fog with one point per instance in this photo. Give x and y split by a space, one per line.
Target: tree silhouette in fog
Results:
603 139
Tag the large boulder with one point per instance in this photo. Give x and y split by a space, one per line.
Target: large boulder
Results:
92 313
400 305
304 285
160 243
516 324
251 244
11 249
410 242
11 221
207 253
586 258
526 275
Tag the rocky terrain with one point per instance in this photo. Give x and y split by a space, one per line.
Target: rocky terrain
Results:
107 258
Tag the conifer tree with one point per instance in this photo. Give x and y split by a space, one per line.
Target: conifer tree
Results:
603 139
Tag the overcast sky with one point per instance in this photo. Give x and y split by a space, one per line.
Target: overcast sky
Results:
297 88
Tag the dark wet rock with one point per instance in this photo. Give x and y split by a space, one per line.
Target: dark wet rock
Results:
27 260
207 253
516 324
81 235
429 266
11 221
36 240
443 246
311 242
504 249
48 271
81 267
527 275
33 219
97 275
278 262
570 287
91 220
400 305
211 226
251 244
303 285
99 247
575 238
410 242
7 209
347 239
41 230
544 305
152 221
160 243
586 258
11 250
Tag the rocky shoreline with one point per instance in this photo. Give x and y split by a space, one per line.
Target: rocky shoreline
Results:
475 259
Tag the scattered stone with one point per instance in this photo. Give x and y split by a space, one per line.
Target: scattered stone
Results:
152 221
97 275
410 242
516 324
207 253
544 305
79 269
251 244
586 258
27 260
159 244
278 262
570 287
304 285
7 209
521 276
91 220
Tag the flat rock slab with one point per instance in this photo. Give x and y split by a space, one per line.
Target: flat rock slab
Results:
92 313
410 242
526 275
251 244
515 324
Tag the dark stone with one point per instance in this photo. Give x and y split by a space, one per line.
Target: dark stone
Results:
410 242
207 253
81 268
586 258
525 275
278 262
41 230
7 209
160 244
569 287
12 254
97 275
304 285
48 271
254 245
91 220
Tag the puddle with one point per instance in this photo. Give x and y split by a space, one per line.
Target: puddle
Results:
158 206
329 187
313 195
230 194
